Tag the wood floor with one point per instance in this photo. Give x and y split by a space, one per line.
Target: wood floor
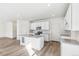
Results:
11 47
50 49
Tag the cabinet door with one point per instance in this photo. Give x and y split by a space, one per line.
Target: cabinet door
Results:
75 16
66 23
34 25
43 24
69 49
67 19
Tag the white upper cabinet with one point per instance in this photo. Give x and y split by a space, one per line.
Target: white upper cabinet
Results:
67 19
71 20
43 24
75 16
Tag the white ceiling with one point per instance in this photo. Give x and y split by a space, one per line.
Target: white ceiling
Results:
31 10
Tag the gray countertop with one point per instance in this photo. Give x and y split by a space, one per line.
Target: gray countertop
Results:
32 36
72 38
70 41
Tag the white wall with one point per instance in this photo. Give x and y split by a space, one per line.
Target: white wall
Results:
7 29
57 27
14 26
11 29
2 28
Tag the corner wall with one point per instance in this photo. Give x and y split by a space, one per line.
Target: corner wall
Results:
57 27
6 29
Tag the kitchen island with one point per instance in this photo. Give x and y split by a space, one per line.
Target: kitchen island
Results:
32 42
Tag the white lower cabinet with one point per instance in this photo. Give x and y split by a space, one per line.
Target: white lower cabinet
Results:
67 19
69 49
36 43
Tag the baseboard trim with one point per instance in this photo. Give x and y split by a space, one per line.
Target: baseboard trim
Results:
7 38
51 41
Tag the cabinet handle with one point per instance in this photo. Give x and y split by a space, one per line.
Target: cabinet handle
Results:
66 23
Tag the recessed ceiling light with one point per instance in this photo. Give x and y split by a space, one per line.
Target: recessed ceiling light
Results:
49 5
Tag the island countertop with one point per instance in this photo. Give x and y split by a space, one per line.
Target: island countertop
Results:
32 36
